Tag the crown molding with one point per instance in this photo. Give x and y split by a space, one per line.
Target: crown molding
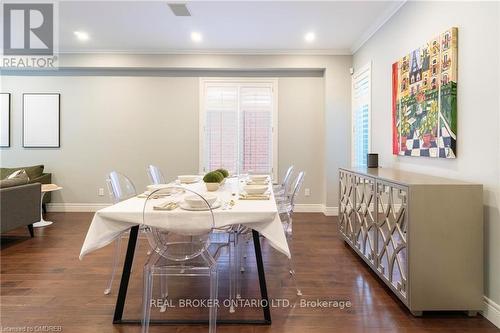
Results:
214 52
167 72
377 25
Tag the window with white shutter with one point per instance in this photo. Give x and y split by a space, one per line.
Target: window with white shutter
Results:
361 109
238 120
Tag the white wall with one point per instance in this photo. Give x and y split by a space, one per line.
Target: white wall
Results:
124 123
478 102
105 118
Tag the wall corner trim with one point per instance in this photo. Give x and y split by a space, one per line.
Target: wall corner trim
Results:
331 211
491 311
365 37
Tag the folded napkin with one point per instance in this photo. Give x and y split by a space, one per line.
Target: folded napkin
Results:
264 196
155 196
169 205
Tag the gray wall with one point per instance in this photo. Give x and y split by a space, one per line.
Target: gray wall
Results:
478 102
107 119
123 123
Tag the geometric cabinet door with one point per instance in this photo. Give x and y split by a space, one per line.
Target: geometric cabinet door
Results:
392 244
357 214
373 220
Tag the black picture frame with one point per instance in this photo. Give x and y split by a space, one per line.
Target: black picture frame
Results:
58 119
9 121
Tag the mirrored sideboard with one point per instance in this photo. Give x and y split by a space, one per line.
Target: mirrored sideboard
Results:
422 235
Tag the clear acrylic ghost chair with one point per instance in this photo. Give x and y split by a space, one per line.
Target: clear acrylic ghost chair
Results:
281 190
155 175
287 205
180 245
120 188
285 210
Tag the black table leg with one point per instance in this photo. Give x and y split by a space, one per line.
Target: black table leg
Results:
127 266
262 276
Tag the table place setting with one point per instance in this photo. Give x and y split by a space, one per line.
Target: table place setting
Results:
150 189
199 203
188 179
255 192
258 180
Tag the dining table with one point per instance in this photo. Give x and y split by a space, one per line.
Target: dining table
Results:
260 216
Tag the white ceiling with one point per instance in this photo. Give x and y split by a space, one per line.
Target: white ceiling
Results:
238 27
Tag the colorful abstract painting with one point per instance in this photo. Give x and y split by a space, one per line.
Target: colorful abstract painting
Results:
424 99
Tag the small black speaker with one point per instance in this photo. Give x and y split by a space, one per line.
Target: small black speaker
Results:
372 160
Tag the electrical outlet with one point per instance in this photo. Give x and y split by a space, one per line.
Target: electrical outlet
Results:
307 192
100 192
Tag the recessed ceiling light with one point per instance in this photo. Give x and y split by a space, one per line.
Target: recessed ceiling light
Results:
196 37
81 35
310 37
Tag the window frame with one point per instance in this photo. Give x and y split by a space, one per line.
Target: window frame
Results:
204 82
354 78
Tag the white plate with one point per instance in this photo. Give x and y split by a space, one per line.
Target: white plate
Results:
154 187
253 182
197 201
185 206
267 193
189 179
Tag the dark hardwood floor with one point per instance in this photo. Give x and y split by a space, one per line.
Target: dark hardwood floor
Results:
44 283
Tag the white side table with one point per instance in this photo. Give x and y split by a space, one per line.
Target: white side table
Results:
45 188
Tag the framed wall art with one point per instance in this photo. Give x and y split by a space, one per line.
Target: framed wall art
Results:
424 99
4 120
41 120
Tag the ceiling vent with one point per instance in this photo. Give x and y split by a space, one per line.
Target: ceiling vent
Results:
179 9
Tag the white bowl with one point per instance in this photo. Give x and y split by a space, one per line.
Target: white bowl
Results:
255 189
212 186
258 178
196 201
188 178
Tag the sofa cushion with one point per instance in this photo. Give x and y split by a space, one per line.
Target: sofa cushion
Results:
20 179
32 171
17 174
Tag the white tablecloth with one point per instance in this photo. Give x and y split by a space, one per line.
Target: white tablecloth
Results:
260 215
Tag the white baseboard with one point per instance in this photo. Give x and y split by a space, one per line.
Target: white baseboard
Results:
316 208
309 208
93 207
491 311
75 207
331 211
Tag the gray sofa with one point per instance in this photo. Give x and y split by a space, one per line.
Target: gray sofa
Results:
35 174
19 207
